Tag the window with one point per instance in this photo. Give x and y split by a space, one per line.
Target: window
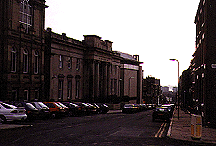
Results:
25 61
13 60
69 62
36 62
78 64
60 90
69 89
115 86
25 95
36 94
60 61
14 95
25 15
77 87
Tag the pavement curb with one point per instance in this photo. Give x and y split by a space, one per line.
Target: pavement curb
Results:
12 126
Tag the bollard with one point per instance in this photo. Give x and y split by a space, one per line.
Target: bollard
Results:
196 126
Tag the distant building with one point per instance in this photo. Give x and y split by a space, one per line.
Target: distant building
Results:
151 90
131 78
165 89
175 89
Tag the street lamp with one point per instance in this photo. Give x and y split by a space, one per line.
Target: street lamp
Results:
178 85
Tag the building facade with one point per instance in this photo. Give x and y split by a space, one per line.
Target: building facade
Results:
204 61
41 65
151 90
101 70
63 67
131 78
22 49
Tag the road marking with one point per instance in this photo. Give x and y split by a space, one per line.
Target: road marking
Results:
161 130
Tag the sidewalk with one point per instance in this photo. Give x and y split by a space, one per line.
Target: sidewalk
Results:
11 126
114 111
181 129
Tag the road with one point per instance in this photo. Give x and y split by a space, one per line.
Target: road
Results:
103 129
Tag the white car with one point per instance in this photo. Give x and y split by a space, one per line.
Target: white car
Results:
11 113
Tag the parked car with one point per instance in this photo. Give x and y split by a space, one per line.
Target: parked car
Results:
55 109
31 111
170 108
43 109
130 108
143 107
161 113
86 107
103 108
66 109
74 109
11 113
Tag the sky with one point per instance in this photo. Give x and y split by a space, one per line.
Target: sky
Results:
156 30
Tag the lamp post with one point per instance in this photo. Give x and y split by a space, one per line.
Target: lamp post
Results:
178 85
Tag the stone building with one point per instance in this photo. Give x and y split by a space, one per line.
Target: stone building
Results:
63 67
151 90
101 70
131 78
22 49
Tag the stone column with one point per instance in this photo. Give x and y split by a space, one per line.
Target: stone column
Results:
105 79
91 80
97 79
108 79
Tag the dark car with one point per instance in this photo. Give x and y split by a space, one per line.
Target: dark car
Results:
103 108
86 107
31 111
74 109
143 107
55 109
130 108
43 109
66 109
161 113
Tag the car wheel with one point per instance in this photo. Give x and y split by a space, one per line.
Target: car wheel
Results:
70 113
53 115
2 119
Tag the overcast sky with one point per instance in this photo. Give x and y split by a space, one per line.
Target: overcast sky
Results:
156 30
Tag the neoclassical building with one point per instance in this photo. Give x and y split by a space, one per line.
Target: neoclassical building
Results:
63 67
22 49
101 70
38 64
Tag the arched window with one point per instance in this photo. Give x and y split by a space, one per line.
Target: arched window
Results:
25 61
13 60
36 62
26 15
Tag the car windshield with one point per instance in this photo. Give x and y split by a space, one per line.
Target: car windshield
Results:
30 106
62 105
57 104
8 106
72 104
161 109
42 105
128 105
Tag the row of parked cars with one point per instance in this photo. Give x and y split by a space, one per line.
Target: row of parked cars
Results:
133 108
10 111
163 112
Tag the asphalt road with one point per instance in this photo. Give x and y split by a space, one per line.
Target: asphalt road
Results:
103 129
